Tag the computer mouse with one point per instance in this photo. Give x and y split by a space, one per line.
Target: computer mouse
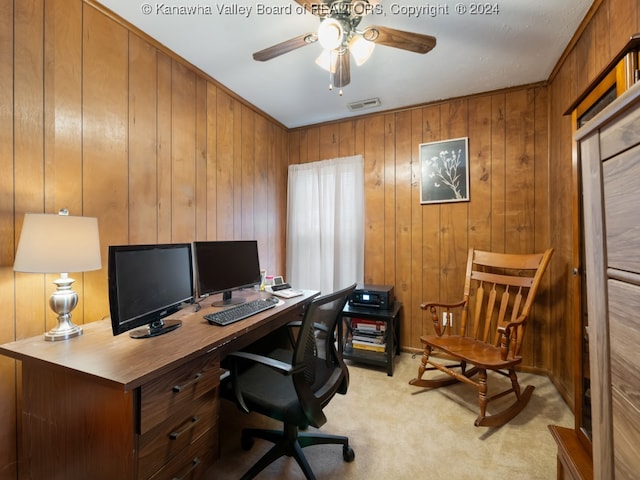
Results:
273 300
196 307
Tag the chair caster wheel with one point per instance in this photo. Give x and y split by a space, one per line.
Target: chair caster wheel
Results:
246 442
348 454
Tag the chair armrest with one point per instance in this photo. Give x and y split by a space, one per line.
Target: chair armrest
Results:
505 335
297 324
276 365
290 326
316 325
428 305
433 308
281 367
517 322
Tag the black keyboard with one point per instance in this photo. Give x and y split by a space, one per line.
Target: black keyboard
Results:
240 312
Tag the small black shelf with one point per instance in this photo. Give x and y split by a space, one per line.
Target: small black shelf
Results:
392 333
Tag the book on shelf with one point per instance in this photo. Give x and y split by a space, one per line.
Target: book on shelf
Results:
365 324
367 337
372 347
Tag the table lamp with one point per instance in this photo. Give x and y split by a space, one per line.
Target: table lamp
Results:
60 243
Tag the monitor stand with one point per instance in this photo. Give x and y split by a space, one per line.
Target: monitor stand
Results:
155 328
227 300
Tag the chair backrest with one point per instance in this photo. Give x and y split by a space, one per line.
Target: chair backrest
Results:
320 369
500 289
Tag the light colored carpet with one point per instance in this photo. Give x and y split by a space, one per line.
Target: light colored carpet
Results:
399 432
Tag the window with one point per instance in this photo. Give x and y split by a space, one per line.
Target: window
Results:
325 224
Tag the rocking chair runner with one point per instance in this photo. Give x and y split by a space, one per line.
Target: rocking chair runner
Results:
505 288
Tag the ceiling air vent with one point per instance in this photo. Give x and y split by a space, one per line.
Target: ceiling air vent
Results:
363 104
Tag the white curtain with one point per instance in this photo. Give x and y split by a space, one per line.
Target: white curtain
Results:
325 224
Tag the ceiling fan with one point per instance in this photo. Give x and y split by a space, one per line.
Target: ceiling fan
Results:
338 34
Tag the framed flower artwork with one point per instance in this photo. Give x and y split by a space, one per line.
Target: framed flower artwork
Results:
444 171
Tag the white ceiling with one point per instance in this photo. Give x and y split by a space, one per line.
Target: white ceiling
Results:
519 44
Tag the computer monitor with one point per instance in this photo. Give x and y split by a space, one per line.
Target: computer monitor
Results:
224 266
146 284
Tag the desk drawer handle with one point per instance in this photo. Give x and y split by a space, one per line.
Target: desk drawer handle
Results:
194 464
179 388
176 435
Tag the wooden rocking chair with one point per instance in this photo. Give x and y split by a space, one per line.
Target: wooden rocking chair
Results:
505 287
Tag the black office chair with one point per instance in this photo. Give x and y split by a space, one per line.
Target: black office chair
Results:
293 386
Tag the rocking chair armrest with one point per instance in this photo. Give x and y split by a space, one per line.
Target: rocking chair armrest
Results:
517 322
428 305
505 335
432 307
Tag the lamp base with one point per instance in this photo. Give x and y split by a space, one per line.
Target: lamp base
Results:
63 301
63 332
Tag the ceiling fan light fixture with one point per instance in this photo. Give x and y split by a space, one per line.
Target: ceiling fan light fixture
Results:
326 60
371 34
361 49
330 34
338 35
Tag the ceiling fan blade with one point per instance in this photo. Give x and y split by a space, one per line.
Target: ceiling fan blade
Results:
285 47
342 74
414 42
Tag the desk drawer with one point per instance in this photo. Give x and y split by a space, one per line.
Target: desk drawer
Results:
163 397
164 442
192 462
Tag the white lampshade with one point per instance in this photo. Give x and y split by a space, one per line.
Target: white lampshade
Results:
361 49
330 34
327 60
52 243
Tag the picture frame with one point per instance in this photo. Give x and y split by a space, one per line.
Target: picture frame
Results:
444 171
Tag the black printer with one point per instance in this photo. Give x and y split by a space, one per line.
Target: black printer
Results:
372 296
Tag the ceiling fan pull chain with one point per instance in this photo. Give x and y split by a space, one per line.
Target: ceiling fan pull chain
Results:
330 73
341 68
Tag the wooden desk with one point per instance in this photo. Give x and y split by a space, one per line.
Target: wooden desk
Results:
105 407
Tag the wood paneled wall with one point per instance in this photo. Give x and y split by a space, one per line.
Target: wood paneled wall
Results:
96 118
422 249
609 25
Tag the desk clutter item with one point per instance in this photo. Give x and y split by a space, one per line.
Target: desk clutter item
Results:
279 286
240 312
287 292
